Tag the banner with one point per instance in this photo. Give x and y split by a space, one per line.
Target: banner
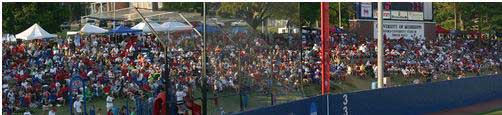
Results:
415 16
366 10
399 15
398 29
386 14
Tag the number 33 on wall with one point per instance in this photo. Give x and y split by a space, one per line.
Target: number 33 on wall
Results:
345 102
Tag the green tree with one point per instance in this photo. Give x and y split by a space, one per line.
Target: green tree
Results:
485 17
19 16
347 12
182 6
311 12
255 13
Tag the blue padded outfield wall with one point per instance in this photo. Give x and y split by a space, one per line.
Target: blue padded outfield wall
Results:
411 99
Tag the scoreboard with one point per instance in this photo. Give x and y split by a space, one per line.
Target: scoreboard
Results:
404 11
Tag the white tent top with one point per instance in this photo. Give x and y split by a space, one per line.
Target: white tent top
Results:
239 23
175 26
8 37
143 27
71 33
92 29
34 32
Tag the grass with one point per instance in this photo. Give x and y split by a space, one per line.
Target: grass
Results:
98 103
493 112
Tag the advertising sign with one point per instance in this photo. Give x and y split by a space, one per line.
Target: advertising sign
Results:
399 15
366 10
386 14
398 29
415 16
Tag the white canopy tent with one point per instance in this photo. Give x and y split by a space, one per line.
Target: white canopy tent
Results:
175 26
71 33
34 32
8 38
144 27
92 29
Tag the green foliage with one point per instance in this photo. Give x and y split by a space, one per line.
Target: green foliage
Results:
310 13
347 12
485 17
19 16
255 13
182 6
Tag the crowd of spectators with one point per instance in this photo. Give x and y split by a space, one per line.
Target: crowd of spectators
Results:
39 73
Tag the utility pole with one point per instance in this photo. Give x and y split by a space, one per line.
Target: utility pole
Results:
204 63
380 46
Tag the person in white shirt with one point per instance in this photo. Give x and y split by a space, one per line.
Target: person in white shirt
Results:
53 111
77 104
109 102
179 100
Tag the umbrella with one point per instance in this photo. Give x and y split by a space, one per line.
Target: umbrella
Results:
144 27
209 28
455 32
34 32
9 38
440 29
175 26
92 29
123 29
239 30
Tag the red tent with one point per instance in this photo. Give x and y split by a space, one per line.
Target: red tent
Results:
441 30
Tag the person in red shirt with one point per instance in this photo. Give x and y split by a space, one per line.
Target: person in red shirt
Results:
106 89
83 74
27 99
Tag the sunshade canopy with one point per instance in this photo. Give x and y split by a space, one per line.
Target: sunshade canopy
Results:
123 29
92 29
34 32
175 26
144 27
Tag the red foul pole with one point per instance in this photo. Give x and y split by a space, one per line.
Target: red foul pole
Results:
325 52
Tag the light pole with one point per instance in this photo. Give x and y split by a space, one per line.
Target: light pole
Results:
204 63
380 47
